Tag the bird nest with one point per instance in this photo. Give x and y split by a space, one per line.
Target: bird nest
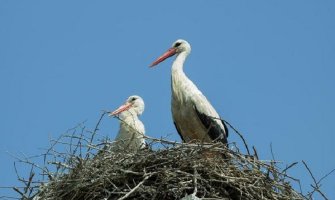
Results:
163 170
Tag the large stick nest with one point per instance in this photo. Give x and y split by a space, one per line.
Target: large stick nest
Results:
163 170
210 171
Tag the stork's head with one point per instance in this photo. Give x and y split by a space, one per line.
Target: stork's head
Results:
179 46
134 104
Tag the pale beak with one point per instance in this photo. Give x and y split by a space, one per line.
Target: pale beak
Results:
170 52
121 109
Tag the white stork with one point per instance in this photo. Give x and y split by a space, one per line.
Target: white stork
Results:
194 117
131 133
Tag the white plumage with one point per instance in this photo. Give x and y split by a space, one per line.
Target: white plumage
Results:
131 133
193 115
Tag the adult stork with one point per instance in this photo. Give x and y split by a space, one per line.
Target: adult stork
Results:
131 133
194 117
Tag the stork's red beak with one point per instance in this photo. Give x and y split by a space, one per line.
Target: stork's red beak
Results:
170 52
122 108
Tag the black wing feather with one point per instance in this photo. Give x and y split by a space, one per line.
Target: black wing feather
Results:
215 131
179 132
225 127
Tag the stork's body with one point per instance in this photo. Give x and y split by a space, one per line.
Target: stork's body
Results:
193 115
131 133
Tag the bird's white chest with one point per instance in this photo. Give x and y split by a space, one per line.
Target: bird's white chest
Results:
184 114
131 134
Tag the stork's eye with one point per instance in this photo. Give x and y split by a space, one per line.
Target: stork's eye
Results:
177 44
133 99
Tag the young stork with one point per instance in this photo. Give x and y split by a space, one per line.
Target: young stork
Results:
194 117
130 136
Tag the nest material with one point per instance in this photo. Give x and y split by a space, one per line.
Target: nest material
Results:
205 171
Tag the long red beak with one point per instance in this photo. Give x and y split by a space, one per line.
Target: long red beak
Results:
122 108
170 52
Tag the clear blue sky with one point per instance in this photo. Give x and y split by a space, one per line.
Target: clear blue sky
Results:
267 67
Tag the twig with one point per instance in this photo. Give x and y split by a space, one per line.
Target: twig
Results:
238 133
21 193
272 154
310 172
31 176
96 129
137 186
255 152
317 186
290 166
325 176
318 190
195 181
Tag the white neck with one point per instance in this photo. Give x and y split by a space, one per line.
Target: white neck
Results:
129 114
178 63
182 86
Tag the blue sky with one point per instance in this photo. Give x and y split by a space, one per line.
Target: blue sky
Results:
266 66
